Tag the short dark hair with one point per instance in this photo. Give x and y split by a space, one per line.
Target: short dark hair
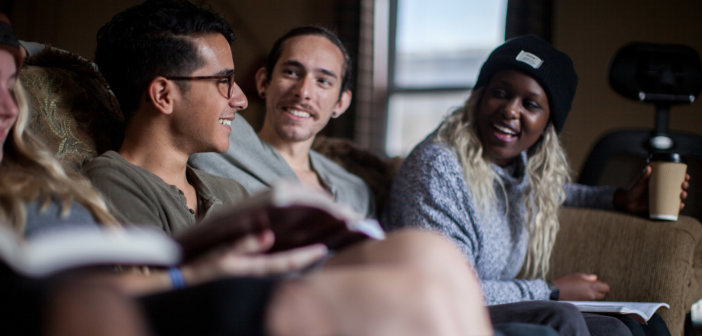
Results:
277 50
153 39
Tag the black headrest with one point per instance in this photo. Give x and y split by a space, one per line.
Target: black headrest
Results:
658 73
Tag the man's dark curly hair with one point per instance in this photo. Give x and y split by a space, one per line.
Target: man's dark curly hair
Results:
150 40
277 50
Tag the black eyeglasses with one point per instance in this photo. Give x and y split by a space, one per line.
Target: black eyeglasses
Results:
225 83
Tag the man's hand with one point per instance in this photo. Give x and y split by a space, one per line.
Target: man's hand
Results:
635 199
246 257
581 286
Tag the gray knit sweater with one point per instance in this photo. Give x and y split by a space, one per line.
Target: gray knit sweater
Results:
430 191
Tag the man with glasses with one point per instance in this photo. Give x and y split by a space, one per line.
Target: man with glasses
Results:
181 104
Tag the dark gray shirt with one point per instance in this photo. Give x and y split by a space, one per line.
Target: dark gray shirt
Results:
137 196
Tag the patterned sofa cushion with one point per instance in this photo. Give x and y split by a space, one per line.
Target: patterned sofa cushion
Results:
71 107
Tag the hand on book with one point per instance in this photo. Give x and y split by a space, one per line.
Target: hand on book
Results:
298 217
581 286
246 257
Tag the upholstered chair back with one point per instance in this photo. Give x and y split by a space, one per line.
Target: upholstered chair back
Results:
71 107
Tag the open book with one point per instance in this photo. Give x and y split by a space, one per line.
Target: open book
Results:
76 247
298 216
643 309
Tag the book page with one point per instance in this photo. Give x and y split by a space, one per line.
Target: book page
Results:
76 247
643 309
10 248
298 216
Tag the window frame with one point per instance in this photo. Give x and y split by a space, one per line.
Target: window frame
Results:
393 89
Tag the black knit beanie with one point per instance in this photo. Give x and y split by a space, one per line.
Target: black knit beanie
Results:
535 57
8 41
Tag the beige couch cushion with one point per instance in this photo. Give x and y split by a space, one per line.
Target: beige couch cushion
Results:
641 259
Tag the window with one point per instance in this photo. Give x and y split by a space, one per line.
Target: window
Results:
435 52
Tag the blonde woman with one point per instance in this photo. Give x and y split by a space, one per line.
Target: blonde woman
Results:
35 191
494 174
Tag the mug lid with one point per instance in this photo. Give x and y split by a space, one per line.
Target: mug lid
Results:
665 157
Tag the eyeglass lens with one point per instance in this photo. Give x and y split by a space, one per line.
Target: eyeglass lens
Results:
228 90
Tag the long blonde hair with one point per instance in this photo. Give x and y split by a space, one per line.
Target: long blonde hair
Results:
29 173
547 171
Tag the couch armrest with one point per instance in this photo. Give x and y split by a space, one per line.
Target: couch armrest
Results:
641 260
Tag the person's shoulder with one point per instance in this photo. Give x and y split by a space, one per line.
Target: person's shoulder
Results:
340 176
243 134
220 183
346 186
110 169
431 151
212 178
108 161
247 153
106 157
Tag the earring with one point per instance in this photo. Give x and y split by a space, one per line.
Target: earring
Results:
334 114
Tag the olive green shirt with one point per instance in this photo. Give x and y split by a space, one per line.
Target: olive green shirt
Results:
135 195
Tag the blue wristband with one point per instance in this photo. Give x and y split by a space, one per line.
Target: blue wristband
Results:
177 280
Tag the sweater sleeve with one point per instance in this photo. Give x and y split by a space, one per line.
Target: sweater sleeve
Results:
426 193
430 192
599 197
515 290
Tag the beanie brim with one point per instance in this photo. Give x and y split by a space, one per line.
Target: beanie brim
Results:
551 68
